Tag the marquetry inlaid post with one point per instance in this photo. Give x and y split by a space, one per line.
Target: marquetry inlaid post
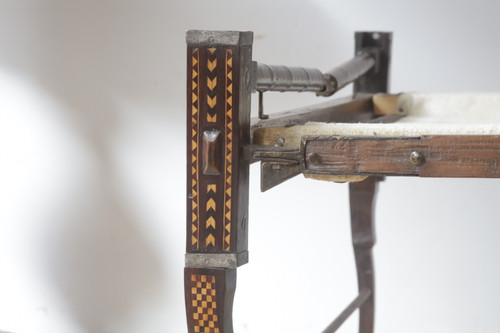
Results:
218 125
362 197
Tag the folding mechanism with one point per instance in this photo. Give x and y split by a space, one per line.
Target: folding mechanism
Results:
222 142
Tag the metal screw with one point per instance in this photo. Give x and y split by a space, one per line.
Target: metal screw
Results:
280 142
314 158
417 158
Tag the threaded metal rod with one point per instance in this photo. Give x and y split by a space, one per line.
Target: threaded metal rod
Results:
283 78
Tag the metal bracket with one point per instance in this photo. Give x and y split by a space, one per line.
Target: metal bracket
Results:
261 106
378 44
278 164
216 260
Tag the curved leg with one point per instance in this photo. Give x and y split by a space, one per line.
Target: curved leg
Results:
362 197
209 299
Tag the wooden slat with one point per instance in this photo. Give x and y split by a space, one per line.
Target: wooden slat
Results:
443 156
291 135
342 110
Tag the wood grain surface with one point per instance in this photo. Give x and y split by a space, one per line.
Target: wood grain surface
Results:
441 156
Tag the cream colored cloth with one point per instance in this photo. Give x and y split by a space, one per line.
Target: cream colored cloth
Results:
457 108
434 114
427 114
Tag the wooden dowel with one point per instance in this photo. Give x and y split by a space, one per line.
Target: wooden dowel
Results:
355 304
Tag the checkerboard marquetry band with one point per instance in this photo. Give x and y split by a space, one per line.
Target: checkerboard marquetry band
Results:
204 303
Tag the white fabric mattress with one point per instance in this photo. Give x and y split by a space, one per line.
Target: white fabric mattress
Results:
426 114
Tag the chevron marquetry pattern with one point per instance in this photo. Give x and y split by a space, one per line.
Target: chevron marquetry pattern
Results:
203 300
195 117
228 150
212 85
210 215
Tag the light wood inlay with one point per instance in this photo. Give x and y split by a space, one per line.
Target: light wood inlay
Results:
228 149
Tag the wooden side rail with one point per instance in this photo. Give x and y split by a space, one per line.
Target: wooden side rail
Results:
424 156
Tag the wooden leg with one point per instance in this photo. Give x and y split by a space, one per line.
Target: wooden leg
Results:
218 126
362 197
209 299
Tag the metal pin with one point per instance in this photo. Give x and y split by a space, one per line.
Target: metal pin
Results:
261 106
417 158
314 158
280 142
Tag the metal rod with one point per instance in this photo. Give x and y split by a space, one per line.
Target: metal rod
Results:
283 78
351 70
358 301
261 106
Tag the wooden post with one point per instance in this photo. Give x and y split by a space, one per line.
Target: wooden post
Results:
218 125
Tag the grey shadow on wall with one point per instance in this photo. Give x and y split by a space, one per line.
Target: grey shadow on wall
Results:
91 56
99 259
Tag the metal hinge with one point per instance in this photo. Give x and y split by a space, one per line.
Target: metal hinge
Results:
278 164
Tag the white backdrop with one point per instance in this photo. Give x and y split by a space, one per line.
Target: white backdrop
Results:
92 184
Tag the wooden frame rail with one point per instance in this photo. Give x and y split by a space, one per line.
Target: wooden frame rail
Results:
473 156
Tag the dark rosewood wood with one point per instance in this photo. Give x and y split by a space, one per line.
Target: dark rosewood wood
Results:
426 156
362 198
209 295
342 110
218 100
218 126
